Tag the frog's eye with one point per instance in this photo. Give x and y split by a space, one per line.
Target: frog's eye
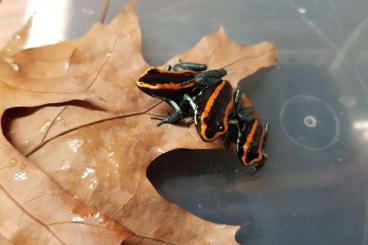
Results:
152 71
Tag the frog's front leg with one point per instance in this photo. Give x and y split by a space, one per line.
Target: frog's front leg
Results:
173 117
178 113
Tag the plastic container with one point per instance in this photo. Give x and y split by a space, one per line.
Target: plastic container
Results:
313 188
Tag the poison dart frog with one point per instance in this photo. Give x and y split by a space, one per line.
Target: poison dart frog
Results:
194 91
247 132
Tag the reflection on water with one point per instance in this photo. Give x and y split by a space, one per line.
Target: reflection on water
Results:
50 21
361 128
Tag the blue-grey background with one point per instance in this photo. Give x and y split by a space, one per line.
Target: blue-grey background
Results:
313 189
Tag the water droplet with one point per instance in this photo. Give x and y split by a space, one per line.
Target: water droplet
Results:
26 142
340 160
66 166
200 206
18 37
159 150
360 125
8 60
75 144
111 154
15 67
310 121
13 161
78 219
66 66
109 54
302 10
93 185
20 176
87 172
365 136
59 120
88 11
46 126
98 217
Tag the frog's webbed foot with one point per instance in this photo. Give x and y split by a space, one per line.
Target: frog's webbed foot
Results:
171 118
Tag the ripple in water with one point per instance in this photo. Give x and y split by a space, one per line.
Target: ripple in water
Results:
309 122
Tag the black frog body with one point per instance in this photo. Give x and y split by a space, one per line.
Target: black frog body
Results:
213 107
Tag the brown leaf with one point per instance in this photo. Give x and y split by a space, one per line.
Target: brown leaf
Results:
97 156
17 42
4 241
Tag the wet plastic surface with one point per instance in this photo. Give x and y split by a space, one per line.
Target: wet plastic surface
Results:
313 189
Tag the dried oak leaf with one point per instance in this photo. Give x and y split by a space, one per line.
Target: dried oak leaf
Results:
99 156
34 209
17 42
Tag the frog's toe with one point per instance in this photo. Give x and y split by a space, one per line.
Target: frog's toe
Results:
162 119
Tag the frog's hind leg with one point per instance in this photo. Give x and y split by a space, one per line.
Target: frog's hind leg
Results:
189 66
178 113
266 133
232 133
210 77
244 112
